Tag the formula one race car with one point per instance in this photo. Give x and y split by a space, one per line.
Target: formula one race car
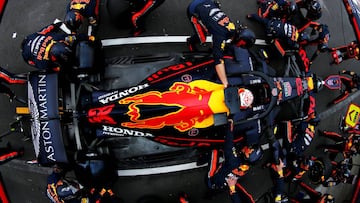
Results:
178 107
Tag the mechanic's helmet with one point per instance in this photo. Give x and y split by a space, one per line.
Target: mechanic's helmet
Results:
246 98
253 153
303 36
60 53
67 191
57 168
244 37
94 169
73 20
292 8
328 198
314 10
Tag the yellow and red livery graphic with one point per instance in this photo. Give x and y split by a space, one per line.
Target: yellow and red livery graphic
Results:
196 104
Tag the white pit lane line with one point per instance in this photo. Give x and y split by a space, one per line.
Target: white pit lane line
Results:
155 39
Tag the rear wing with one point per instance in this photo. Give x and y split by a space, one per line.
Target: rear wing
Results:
45 127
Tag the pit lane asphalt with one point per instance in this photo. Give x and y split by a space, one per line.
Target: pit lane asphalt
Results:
26 183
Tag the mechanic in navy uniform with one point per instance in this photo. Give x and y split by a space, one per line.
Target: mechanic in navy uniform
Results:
61 189
207 18
313 13
277 174
48 49
276 8
277 29
54 181
77 10
347 145
286 9
224 172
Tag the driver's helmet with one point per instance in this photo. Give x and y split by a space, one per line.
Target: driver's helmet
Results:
244 37
314 10
73 20
246 98
60 53
327 198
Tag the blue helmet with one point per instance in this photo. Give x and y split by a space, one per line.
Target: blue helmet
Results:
314 10
61 53
245 38
73 20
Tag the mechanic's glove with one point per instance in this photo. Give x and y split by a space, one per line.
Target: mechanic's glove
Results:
280 199
92 38
278 168
70 39
323 47
92 21
218 4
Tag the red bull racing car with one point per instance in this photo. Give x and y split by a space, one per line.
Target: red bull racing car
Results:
168 112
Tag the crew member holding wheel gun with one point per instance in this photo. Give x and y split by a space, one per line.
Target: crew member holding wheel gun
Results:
206 17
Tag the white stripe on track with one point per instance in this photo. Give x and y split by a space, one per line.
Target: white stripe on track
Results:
155 39
159 170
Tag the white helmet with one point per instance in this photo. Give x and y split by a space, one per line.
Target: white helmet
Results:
246 98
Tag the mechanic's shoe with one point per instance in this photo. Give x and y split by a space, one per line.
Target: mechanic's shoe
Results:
183 197
281 199
203 159
137 31
250 16
320 132
192 47
211 193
